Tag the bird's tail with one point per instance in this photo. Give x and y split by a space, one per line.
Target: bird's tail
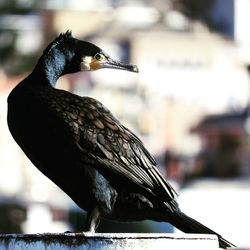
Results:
189 225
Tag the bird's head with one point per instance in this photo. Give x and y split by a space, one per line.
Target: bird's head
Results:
75 55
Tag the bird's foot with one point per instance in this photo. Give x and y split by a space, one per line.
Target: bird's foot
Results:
93 220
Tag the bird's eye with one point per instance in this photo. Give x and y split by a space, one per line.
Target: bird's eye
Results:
98 56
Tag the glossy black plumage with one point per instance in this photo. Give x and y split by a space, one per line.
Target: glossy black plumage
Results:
77 143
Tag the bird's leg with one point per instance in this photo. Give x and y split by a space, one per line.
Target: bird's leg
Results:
92 221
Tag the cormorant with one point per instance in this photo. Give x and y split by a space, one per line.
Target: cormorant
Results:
78 143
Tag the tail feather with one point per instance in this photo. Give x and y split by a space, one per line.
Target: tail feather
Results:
189 225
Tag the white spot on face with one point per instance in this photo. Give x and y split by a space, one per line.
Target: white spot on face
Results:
85 64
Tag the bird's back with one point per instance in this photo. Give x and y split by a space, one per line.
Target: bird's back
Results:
58 131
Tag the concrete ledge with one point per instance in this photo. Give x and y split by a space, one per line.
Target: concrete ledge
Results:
118 241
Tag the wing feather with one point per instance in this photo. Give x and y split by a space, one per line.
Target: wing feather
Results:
114 148
125 153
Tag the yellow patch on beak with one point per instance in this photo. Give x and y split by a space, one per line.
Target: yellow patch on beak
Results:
89 63
95 65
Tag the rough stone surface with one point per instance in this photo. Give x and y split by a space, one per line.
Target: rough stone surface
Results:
118 241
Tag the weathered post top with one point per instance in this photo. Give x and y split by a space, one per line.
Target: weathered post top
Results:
107 241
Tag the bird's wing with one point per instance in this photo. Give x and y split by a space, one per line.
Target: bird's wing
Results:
113 147
120 151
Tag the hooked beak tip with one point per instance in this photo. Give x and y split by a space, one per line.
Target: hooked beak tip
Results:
134 68
128 67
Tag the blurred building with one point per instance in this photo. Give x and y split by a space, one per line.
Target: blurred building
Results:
225 145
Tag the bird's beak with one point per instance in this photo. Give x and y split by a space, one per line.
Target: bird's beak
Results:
112 64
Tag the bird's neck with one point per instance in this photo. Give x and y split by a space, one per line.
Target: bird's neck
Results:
49 68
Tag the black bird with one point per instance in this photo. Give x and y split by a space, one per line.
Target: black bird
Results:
78 144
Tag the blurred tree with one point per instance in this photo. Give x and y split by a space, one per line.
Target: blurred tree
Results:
195 9
13 214
7 44
218 15
16 7
11 61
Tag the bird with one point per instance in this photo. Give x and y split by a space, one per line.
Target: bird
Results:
84 149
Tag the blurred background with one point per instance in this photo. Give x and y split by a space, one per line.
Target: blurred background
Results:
189 104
